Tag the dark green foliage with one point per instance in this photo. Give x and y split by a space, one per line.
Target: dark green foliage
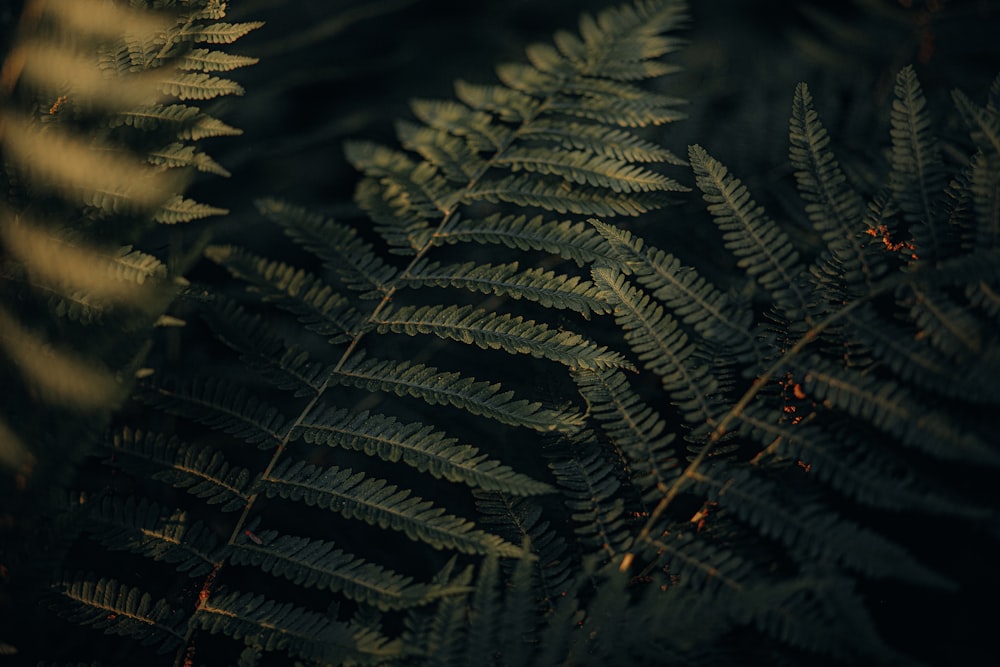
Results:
485 426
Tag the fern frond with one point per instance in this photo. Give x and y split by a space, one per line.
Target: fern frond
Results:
52 158
893 409
206 60
544 287
917 177
513 334
484 642
273 626
90 274
663 347
286 366
833 206
58 375
201 471
986 199
177 209
633 428
319 564
613 143
339 246
444 388
179 155
984 123
763 250
560 196
452 155
713 314
216 33
476 128
186 122
912 360
376 502
811 529
521 519
590 491
198 86
317 305
109 605
417 445
947 325
573 241
837 458
145 528
222 405
584 168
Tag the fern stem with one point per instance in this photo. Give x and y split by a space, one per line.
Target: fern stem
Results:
447 216
691 472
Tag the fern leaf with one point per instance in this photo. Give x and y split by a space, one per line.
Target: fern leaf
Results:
947 325
764 251
286 366
483 641
838 459
223 406
701 565
417 445
111 180
317 306
520 519
475 127
198 86
177 209
339 246
596 139
55 375
452 155
573 241
508 104
833 207
376 502
891 408
319 564
917 178
590 491
632 427
487 330
662 346
201 471
144 528
445 388
188 122
986 200
812 529
699 304
561 197
109 605
92 274
180 155
206 60
984 123
217 32
915 360
584 168
273 626
544 287
628 33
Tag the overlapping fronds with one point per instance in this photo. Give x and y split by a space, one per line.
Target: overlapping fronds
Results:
699 469
95 152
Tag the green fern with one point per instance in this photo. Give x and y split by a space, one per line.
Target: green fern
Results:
435 448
